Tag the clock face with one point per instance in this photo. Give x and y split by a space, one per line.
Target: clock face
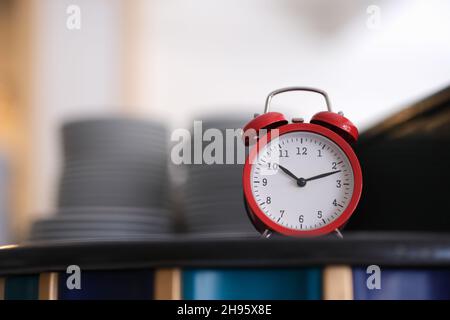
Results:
302 181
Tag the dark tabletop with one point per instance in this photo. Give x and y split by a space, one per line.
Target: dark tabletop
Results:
387 249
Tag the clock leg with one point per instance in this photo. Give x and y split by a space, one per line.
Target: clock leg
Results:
266 234
338 233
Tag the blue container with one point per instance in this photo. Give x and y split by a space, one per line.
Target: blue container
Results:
252 284
24 287
110 285
404 284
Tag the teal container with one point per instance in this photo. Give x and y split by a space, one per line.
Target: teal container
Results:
22 287
252 284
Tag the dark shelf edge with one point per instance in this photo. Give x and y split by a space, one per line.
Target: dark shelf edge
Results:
386 249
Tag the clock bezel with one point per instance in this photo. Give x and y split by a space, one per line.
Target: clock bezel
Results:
317 129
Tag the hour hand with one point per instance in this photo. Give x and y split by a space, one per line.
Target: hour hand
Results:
289 173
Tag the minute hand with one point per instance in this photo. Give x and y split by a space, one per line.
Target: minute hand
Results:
323 175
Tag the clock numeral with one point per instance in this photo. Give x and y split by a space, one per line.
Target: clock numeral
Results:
264 181
302 151
319 214
338 183
301 219
334 166
269 200
281 215
335 203
272 166
319 153
284 154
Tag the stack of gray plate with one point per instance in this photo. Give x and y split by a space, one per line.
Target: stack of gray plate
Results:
213 193
114 181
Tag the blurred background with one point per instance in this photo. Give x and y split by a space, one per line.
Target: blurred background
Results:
172 61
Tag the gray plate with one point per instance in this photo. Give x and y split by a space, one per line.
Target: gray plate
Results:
113 175
214 205
114 195
208 173
102 222
212 214
219 224
214 209
114 186
124 161
112 189
64 201
224 204
148 174
111 138
80 191
56 236
121 156
211 167
106 181
95 231
219 202
78 226
234 216
100 156
216 217
107 217
244 222
113 123
118 145
117 193
205 218
214 181
149 204
105 135
212 229
112 231
125 183
150 212
205 192
215 178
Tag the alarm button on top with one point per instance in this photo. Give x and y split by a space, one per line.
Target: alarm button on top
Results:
269 120
337 123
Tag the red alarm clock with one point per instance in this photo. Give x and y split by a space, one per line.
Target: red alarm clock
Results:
301 179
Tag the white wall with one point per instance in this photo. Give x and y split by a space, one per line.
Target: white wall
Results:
210 55
75 73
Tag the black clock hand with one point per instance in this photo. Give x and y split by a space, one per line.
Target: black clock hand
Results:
301 182
288 172
323 175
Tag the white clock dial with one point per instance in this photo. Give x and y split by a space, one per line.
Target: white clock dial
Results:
302 180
